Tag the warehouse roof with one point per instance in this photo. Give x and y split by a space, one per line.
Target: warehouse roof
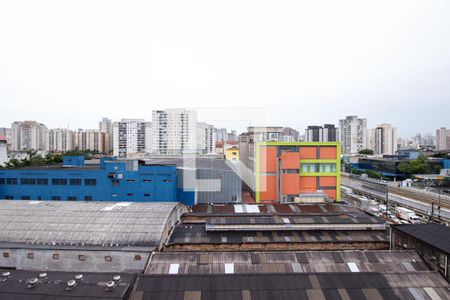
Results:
191 234
85 224
27 285
424 285
188 162
284 262
436 235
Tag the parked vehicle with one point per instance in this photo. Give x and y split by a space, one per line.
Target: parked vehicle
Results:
407 215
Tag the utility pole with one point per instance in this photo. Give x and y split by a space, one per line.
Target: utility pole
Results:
439 200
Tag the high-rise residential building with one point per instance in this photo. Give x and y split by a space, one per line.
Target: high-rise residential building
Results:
26 135
174 131
325 133
353 134
131 136
3 151
6 132
60 140
384 139
206 140
222 135
105 126
443 139
90 140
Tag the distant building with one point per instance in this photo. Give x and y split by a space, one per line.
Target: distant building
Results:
131 136
90 140
27 135
110 180
384 139
222 135
247 141
289 135
6 132
3 151
325 133
443 139
205 138
353 134
286 172
105 126
60 140
174 131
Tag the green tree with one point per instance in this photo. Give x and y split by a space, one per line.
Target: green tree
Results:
366 152
416 166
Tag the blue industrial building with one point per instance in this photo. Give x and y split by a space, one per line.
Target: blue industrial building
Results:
109 180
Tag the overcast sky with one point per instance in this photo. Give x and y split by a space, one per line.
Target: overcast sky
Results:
69 63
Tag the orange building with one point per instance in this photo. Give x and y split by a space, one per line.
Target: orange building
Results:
285 170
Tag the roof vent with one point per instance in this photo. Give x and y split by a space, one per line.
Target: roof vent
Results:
78 276
116 277
42 275
6 274
32 283
71 285
110 285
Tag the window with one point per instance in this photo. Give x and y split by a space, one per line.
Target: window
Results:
115 182
55 256
108 258
71 198
30 255
56 198
28 181
137 257
87 198
42 181
81 257
130 180
146 195
6 254
59 181
114 195
167 180
2 181
129 194
90 181
75 181
9 197
146 180
11 181
24 197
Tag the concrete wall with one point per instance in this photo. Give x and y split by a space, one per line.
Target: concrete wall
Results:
69 260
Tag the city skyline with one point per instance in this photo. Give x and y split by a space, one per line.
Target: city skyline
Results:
286 59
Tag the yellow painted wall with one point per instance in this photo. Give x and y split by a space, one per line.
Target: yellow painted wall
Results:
232 154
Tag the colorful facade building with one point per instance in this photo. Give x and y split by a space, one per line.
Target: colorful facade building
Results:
232 153
286 170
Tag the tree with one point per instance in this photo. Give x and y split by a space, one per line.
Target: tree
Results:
366 152
416 166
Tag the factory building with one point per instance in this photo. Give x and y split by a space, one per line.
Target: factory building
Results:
290 171
83 236
109 180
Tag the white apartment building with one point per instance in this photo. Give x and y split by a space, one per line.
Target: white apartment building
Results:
384 139
131 136
6 132
59 140
443 139
353 134
90 139
105 126
174 131
27 135
206 139
3 151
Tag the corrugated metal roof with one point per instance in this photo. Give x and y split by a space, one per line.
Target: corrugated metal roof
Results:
436 235
184 234
286 262
67 223
53 285
425 285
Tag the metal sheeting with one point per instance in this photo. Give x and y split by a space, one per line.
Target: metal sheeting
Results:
282 262
103 224
293 286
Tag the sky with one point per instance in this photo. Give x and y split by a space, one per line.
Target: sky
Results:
239 63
